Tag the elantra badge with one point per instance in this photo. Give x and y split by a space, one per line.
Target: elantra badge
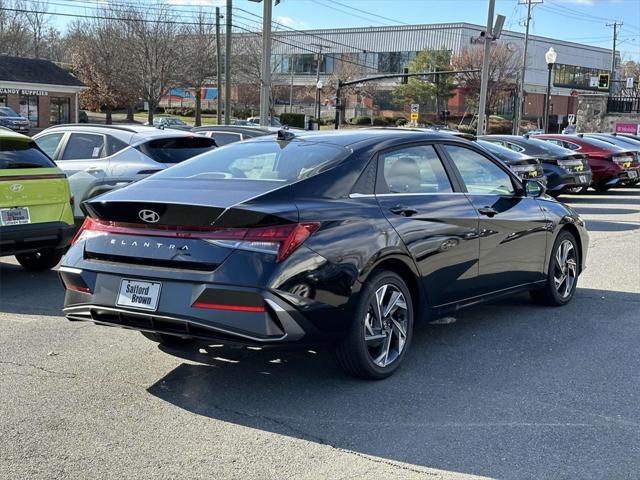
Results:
149 216
16 187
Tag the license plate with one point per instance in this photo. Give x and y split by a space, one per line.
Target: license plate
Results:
138 294
632 174
14 216
582 179
23 128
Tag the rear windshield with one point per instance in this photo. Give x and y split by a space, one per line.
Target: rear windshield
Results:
601 144
21 154
176 149
499 151
284 162
542 146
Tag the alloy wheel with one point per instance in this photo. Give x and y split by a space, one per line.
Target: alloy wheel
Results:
385 325
565 269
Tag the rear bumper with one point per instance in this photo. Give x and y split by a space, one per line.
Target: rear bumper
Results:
16 239
558 179
92 296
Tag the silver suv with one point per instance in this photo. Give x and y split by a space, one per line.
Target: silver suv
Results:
99 158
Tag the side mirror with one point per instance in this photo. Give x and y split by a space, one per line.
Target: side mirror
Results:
534 188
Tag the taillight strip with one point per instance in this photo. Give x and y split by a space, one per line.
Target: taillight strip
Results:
47 176
232 308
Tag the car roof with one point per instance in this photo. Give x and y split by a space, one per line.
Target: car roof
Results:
128 133
365 136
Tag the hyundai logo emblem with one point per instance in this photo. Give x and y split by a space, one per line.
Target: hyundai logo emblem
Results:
148 216
16 187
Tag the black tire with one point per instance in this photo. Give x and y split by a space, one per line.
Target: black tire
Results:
549 294
354 353
167 340
40 260
600 188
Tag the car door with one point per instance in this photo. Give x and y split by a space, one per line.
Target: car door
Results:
83 159
513 231
437 224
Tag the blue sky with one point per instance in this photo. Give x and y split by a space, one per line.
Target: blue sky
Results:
583 21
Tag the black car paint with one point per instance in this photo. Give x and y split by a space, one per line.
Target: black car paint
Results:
460 259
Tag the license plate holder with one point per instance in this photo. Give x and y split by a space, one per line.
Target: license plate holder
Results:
632 174
582 179
14 216
139 294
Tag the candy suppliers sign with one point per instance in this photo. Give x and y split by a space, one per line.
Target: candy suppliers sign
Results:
23 91
632 128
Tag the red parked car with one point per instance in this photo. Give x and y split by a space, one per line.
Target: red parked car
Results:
611 165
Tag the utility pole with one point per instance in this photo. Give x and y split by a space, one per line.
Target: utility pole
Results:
291 91
227 65
265 83
218 68
517 118
612 73
484 80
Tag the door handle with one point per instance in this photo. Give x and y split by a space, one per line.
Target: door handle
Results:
488 211
93 170
403 210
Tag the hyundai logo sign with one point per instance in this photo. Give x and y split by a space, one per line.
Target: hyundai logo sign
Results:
149 216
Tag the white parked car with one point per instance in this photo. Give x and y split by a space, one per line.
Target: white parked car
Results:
100 158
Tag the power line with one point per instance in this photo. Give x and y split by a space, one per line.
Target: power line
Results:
346 12
367 13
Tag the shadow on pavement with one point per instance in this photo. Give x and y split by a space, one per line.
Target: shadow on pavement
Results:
511 390
29 293
606 211
605 226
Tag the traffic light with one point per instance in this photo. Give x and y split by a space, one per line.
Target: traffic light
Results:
603 81
404 80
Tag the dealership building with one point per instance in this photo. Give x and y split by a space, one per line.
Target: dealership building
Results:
379 50
39 90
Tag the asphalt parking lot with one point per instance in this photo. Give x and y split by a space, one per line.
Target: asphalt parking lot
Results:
509 390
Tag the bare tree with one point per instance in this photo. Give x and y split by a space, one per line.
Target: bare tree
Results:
14 36
197 45
503 68
102 60
153 47
38 22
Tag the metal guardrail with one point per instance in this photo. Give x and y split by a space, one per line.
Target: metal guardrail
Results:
623 104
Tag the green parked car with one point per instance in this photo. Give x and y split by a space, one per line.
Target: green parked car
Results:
36 217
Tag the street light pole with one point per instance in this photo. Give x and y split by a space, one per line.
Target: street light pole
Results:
551 56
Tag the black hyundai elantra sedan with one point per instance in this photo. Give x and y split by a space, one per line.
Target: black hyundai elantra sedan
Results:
348 237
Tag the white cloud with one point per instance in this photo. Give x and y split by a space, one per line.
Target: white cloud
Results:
290 22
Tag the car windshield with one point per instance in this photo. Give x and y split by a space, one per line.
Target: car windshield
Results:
274 161
601 144
7 112
22 154
174 121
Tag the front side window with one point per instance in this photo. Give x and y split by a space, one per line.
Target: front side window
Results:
49 143
415 169
480 174
83 146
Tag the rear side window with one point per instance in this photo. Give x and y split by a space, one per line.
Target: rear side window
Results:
20 154
176 149
283 162
49 143
83 146
415 170
114 145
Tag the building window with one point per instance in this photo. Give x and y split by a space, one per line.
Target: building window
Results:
573 76
29 108
59 110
